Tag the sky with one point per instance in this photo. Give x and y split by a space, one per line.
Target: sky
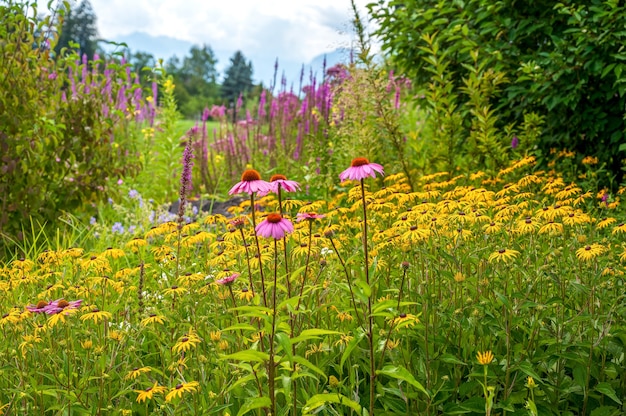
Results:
294 30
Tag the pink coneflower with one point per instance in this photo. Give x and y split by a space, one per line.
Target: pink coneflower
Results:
60 305
280 181
308 216
250 183
274 226
361 168
228 280
40 307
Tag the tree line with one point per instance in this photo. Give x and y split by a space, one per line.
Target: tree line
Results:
195 75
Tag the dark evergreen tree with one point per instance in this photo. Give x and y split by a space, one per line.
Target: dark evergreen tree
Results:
237 80
79 26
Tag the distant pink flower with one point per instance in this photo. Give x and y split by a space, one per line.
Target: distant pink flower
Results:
250 183
280 181
274 226
228 280
308 216
361 168
61 305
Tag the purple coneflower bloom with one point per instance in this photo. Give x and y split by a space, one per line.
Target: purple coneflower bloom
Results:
361 168
274 226
228 280
280 181
308 216
40 307
60 305
250 183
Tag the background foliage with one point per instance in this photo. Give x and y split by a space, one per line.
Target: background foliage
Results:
564 62
67 128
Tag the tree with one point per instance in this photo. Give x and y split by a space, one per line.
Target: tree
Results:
237 81
79 26
195 79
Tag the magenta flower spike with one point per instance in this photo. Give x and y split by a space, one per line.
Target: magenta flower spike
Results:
250 183
274 226
361 168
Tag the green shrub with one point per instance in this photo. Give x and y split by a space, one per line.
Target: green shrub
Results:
67 127
564 62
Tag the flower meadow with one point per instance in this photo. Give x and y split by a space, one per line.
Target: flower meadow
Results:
461 294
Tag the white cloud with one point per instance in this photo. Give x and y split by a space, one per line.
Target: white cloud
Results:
294 30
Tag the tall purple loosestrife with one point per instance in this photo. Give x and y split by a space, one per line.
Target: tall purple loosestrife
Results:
185 181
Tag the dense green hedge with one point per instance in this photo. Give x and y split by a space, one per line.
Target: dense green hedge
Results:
563 60
66 125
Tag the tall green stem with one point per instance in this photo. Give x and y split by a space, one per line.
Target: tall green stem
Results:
370 318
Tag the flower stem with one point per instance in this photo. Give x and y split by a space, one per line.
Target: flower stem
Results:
258 248
370 318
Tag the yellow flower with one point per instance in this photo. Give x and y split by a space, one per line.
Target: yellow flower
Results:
86 344
143 395
344 316
619 229
96 316
526 226
222 345
590 160
503 255
135 243
333 381
175 290
191 387
485 358
153 319
343 340
589 252
605 222
116 336
404 320
492 227
459 277
530 382
314 349
551 228
215 335
244 294
113 253
187 342
136 372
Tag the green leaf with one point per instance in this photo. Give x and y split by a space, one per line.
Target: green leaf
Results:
303 361
247 355
285 343
350 347
253 404
607 390
365 288
312 334
402 374
321 399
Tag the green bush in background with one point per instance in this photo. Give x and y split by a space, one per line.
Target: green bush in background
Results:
67 127
563 61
